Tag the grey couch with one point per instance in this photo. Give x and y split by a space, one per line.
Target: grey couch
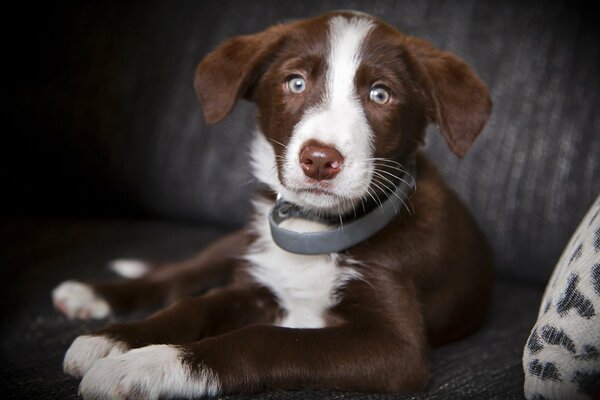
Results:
106 156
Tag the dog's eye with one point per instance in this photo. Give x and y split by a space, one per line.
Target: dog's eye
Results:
379 94
296 84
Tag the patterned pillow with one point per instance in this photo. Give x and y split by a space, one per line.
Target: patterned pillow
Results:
562 356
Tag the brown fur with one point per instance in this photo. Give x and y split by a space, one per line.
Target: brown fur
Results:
426 277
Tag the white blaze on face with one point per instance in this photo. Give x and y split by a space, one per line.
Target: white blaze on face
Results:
339 121
308 287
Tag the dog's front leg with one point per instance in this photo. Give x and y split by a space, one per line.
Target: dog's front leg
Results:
186 321
370 351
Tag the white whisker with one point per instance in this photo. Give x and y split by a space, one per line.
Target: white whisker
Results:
378 203
393 192
399 168
277 142
379 171
385 192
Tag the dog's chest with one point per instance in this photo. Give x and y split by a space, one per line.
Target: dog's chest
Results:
305 286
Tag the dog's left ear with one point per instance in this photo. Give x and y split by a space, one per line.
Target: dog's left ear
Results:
229 72
458 101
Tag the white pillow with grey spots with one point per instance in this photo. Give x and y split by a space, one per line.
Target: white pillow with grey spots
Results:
562 355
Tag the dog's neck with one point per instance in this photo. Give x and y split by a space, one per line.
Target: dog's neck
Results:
341 232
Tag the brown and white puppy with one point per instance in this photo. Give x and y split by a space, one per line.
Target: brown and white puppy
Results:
343 101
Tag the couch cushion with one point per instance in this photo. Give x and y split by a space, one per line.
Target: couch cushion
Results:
103 113
40 253
562 355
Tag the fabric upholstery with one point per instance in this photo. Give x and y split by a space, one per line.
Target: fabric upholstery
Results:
105 154
105 117
562 356
41 253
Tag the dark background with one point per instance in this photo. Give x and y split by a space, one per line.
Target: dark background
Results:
103 120
105 154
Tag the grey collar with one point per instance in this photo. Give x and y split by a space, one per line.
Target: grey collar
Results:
346 234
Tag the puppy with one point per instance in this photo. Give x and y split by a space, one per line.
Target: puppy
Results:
347 274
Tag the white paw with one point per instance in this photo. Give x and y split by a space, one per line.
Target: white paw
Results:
150 372
86 349
78 300
129 268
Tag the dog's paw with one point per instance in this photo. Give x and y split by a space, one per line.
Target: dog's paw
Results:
130 269
151 372
87 349
78 300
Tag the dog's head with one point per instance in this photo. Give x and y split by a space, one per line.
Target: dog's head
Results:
343 99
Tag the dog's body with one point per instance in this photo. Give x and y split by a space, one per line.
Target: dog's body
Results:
343 102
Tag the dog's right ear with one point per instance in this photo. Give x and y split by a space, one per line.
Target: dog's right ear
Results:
230 71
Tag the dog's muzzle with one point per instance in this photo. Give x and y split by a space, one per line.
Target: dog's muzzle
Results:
343 235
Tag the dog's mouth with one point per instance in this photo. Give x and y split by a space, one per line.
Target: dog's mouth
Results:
317 197
325 197
317 190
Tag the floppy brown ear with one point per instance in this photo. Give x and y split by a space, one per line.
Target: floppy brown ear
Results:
459 102
228 72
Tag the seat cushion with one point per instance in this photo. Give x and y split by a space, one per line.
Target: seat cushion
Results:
39 254
562 356
111 119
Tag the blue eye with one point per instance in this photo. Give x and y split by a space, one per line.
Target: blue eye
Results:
379 94
296 84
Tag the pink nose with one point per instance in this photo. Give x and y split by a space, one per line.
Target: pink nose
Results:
320 162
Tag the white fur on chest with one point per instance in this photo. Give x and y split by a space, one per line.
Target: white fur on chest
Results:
306 286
